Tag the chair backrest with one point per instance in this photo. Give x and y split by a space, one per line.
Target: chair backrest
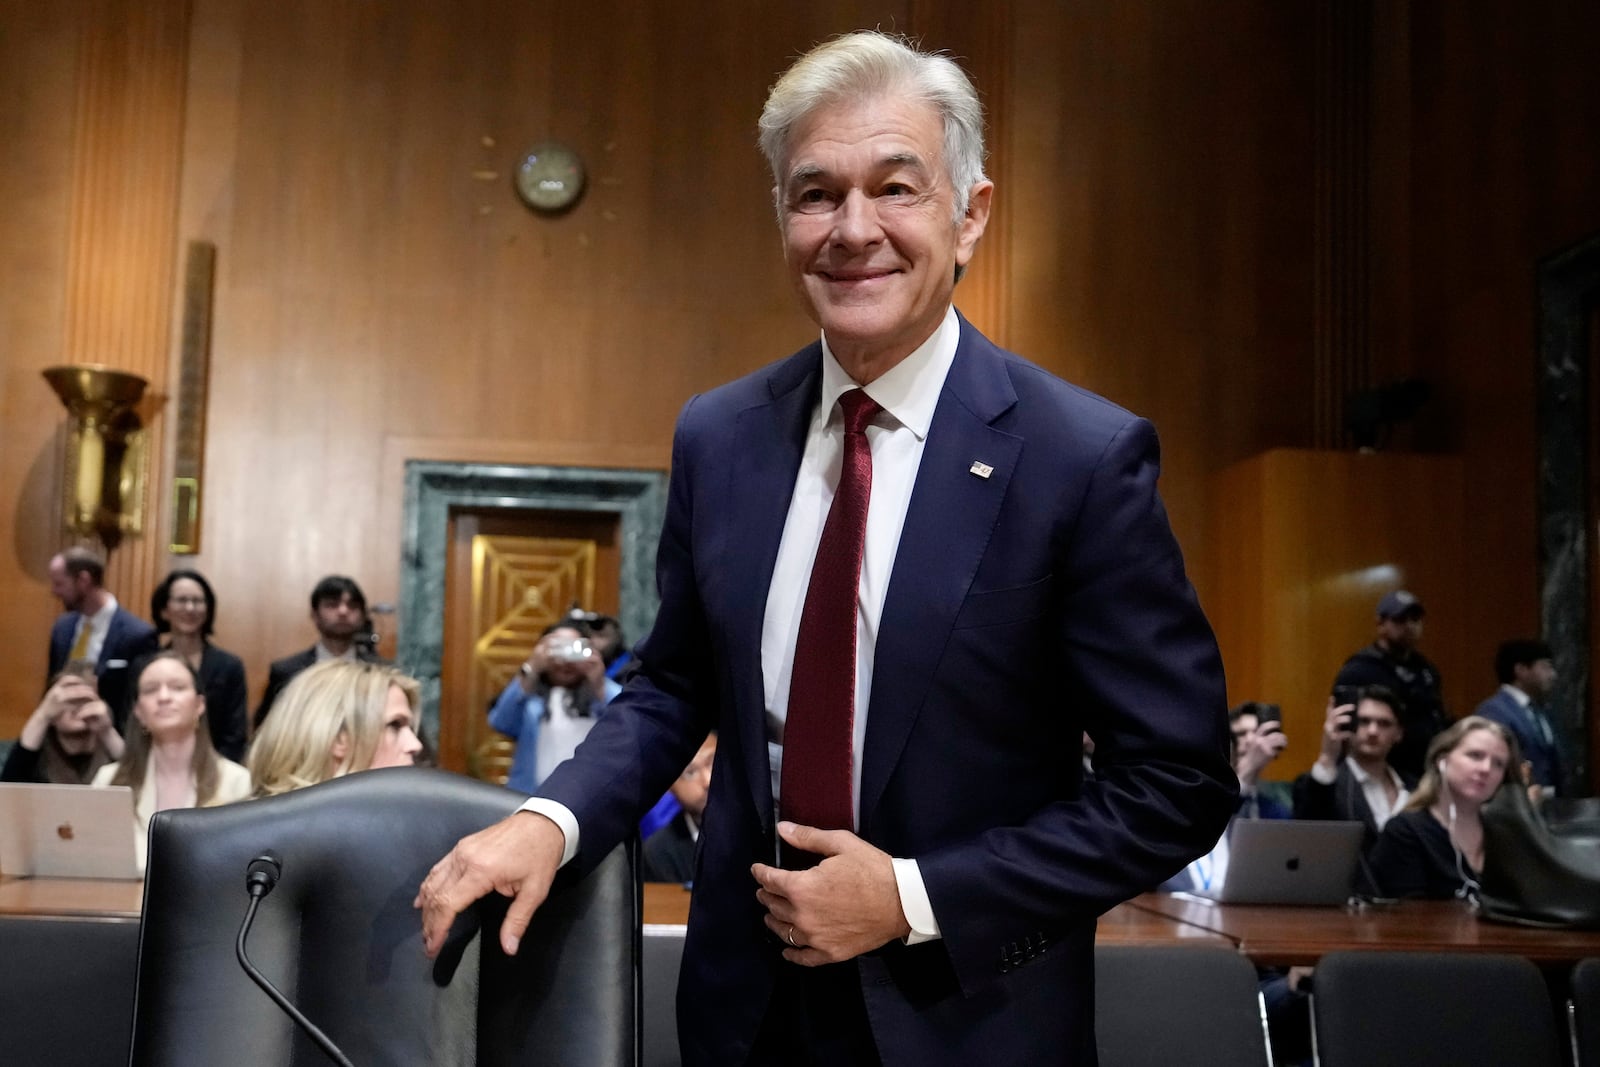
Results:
66 990
340 938
1583 1013
1160 1006
1422 1007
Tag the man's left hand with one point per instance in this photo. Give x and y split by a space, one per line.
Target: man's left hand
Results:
846 905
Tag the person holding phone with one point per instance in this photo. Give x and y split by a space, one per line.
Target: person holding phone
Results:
1258 739
553 702
1352 779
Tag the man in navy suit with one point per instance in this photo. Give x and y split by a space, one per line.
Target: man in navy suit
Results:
1011 582
95 627
1527 674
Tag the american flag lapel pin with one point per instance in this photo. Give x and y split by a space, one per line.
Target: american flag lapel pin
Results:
981 469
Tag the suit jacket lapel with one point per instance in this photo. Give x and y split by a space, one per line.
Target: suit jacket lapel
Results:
769 440
948 524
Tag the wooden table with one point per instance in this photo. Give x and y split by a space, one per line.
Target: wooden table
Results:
1283 935
76 898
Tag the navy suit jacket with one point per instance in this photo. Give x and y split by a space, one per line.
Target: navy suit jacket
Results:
1545 756
1024 608
128 640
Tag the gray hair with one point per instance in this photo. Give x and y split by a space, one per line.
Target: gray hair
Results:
869 63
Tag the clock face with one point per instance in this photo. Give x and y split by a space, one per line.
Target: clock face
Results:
550 177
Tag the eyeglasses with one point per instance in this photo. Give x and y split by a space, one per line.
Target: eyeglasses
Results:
186 602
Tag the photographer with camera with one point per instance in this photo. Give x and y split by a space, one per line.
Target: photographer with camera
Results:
552 703
1352 779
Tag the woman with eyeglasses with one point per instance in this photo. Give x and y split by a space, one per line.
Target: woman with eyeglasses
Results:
185 608
1434 848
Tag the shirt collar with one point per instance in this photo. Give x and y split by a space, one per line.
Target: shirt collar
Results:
1362 777
102 618
908 391
1522 699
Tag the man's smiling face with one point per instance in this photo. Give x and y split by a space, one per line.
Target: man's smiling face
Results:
869 230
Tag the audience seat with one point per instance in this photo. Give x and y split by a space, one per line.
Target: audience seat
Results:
1448 1008
1583 1013
339 936
66 991
1155 1007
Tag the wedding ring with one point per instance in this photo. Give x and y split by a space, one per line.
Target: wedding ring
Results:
789 937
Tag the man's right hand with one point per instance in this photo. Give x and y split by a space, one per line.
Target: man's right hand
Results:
1337 728
516 857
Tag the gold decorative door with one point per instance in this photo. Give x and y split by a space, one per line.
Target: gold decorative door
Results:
510 576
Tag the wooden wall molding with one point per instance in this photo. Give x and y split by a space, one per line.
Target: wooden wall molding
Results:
127 162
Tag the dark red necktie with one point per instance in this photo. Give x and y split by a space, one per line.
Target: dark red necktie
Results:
814 789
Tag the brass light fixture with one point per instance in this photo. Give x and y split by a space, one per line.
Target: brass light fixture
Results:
103 490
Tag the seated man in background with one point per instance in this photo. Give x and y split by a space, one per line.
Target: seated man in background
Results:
339 612
553 702
68 737
1258 739
1352 780
669 852
1527 673
96 628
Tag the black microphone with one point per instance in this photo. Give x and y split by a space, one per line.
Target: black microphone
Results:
260 878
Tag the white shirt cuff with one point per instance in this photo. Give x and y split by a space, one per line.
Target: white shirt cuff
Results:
562 816
914 902
1321 773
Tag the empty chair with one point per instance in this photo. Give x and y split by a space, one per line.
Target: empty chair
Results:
339 937
1431 1008
1159 1006
66 990
1583 1013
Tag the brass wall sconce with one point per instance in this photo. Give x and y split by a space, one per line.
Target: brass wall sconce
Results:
103 491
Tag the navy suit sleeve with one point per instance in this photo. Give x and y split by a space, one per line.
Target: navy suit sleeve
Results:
1133 651
652 729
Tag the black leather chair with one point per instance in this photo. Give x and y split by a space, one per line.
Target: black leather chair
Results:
1583 1013
1159 1006
66 991
1418 1007
340 938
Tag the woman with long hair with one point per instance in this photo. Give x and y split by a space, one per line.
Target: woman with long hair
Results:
1434 848
168 759
335 718
184 608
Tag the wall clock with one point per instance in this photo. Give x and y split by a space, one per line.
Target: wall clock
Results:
550 177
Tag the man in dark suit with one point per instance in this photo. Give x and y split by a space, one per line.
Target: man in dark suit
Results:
339 612
901 573
1527 674
96 628
1352 780
669 853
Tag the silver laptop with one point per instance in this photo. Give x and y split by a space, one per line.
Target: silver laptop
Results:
1291 861
66 831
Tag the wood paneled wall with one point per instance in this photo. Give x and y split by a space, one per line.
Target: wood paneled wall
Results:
380 294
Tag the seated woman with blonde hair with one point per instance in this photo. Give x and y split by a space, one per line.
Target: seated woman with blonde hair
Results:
168 758
1434 848
337 717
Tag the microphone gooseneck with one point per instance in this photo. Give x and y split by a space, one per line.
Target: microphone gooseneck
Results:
261 876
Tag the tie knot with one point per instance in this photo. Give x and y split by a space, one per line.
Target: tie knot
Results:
858 410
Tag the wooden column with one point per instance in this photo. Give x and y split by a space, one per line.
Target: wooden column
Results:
127 155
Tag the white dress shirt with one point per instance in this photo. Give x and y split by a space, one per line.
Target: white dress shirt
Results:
908 394
99 625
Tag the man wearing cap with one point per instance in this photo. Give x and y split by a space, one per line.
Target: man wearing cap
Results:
1392 661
